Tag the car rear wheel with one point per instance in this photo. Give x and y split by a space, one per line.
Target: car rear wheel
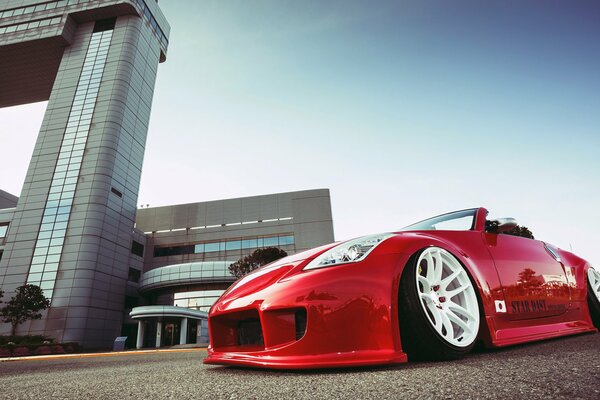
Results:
439 309
594 295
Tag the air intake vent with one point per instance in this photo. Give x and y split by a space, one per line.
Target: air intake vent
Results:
250 333
300 318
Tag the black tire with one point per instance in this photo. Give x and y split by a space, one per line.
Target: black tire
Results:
593 303
420 340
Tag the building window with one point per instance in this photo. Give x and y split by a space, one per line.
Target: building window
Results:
3 230
271 241
57 210
115 191
226 245
233 245
134 275
105 25
198 300
211 247
173 251
249 243
137 248
286 240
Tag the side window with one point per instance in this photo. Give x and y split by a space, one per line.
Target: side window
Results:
137 248
458 224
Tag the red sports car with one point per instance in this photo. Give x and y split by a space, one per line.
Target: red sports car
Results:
431 291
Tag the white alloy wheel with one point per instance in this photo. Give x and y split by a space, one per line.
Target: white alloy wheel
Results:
594 280
447 297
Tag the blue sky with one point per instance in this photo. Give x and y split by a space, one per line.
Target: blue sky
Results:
403 109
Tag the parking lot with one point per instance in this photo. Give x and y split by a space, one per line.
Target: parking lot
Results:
561 368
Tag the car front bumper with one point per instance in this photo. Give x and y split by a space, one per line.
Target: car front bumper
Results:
337 316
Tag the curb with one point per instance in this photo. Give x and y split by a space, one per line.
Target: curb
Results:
107 354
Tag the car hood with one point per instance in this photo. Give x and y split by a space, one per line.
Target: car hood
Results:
270 273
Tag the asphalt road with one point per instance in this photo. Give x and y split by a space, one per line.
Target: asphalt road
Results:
566 368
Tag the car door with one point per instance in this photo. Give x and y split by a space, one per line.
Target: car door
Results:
534 283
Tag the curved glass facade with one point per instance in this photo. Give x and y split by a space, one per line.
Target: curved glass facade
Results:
189 273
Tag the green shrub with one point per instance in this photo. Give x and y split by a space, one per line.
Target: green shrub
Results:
15 350
25 340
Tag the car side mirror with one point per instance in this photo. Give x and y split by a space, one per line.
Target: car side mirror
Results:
500 225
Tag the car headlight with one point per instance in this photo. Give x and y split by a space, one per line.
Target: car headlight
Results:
348 252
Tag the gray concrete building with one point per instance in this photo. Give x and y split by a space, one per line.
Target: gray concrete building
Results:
95 61
189 247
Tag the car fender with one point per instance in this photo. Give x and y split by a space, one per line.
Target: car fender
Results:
476 260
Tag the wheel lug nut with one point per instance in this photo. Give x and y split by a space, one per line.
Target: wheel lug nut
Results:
436 288
442 299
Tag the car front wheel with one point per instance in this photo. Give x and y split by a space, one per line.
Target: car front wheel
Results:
439 308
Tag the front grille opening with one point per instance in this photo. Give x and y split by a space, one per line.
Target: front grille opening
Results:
250 333
237 331
300 318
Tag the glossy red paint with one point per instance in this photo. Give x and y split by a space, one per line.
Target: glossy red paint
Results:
347 315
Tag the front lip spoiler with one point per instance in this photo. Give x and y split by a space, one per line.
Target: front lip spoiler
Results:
263 359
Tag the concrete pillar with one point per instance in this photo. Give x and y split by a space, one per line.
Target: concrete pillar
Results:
140 335
203 331
158 333
183 331
199 331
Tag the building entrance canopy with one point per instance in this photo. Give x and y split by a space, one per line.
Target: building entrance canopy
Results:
166 311
157 314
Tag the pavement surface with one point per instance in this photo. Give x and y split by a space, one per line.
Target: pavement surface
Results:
566 368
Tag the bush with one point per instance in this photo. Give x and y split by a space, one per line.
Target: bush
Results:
58 349
25 340
19 346
71 347
32 349
21 352
42 350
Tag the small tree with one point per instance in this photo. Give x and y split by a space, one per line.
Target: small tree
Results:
258 258
523 231
26 304
519 230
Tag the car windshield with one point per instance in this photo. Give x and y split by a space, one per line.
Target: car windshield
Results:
455 221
